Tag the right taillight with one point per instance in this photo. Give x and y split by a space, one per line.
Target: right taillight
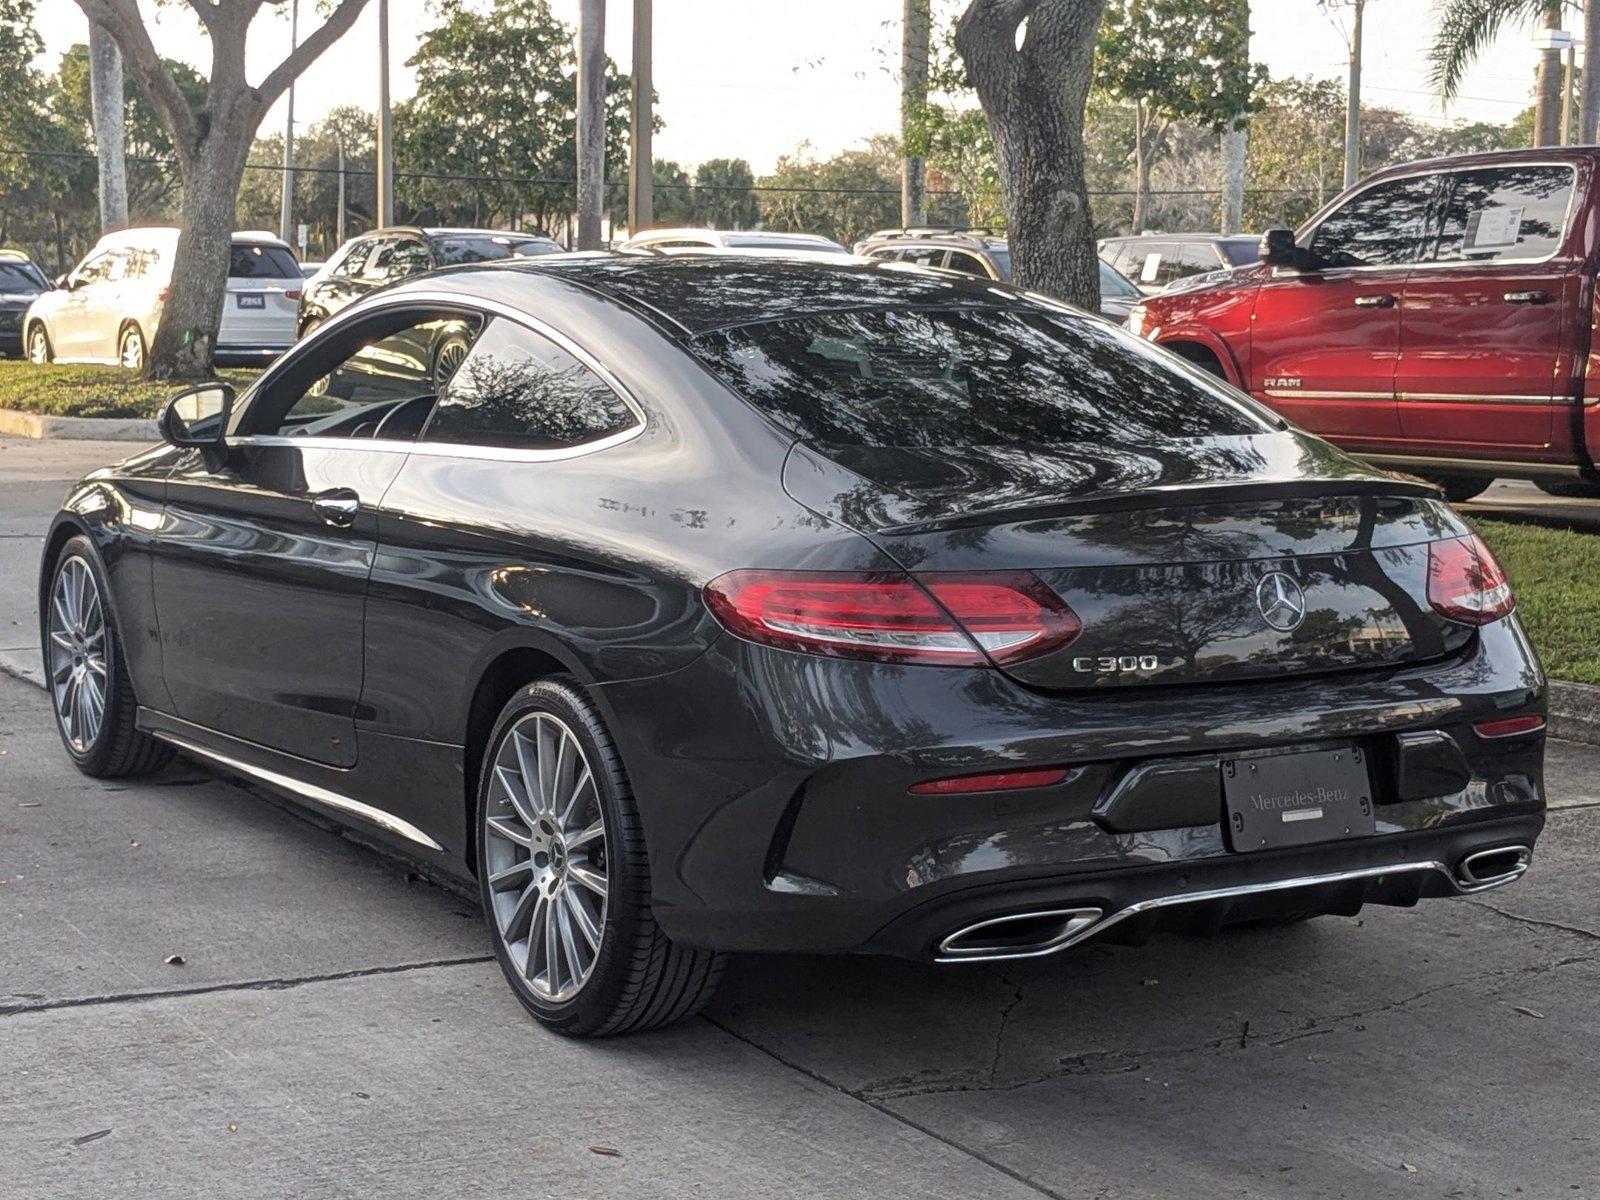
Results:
1466 583
955 619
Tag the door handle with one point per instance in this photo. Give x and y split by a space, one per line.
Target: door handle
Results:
1533 297
1382 301
338 507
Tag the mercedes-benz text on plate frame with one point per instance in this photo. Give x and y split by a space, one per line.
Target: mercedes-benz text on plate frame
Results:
697 603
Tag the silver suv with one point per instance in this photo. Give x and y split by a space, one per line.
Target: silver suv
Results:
980 252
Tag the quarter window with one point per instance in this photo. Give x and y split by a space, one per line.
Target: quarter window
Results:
1505 213
519 389
1380 227
967 264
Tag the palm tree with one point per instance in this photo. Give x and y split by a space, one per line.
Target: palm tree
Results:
1465 30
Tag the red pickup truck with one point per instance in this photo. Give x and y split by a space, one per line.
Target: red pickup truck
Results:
1436 318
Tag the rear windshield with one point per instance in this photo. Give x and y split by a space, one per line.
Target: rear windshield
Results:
488 248
1000 256
20 278
262 262
990 377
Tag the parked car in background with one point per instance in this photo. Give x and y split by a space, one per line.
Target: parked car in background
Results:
1155 260
979 252
310 267
384 256
799 605
108 306
1437 317
21 282
731 239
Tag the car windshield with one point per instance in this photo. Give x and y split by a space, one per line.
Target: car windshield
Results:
490 247
957 378
1000 256
251 261
1114 285
21 278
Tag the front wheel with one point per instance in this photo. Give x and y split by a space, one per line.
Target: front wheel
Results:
1460 488
130 348
39 345
1575 489
564 877
90 689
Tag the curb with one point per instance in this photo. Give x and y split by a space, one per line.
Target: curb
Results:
25 665
1575 712
16 423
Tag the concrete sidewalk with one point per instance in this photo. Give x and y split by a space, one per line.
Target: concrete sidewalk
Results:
336 1028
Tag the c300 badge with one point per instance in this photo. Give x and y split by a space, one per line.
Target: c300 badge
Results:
1116 664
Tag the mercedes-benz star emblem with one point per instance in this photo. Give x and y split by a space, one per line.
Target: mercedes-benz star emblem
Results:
1282 603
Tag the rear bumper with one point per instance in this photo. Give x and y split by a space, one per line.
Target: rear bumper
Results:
773 788
250 353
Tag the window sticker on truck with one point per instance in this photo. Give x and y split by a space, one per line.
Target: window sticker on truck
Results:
1494 228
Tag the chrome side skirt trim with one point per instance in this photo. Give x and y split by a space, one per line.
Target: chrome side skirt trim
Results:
1248 889
1476 398
1474 466
1315 394
306 791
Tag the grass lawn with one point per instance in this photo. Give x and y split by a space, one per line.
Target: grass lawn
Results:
89 391
1556 574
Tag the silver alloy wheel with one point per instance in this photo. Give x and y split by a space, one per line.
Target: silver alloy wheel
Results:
545 855
448 361
38 345
130 352
78 676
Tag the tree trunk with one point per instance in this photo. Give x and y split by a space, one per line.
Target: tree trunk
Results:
108 110
187 335
1589 106
1235 153
1033 97
1141 169
913 98
1547 114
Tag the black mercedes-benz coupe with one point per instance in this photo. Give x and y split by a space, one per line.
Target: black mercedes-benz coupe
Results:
720 604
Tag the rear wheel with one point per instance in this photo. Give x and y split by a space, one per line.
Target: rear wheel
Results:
130 348
1574 489
39 350
90 690
1460 488
564 877
447 358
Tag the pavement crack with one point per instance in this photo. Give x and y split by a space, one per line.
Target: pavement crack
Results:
880 1107
1000 1025
10 1009
1577 930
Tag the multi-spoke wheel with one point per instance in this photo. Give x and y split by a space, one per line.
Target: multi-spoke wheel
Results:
130 348
564 877
90 689
448 359
39 344
546 855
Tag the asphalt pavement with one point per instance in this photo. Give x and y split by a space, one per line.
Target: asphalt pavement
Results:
335 1026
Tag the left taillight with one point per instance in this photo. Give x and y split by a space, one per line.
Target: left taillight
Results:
954 619
1466 583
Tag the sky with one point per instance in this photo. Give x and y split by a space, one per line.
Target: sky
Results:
754 80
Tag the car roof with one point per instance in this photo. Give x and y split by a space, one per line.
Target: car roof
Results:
695 294
11 255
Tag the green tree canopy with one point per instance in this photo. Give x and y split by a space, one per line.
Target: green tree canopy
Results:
724 195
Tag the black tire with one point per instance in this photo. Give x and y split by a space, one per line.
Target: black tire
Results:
1569 489
118 748
1460 488
123 340
640 979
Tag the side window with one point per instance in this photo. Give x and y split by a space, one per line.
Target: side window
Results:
410 257
1380 227
969 264
519 389
1196 258
379 263
1504 213
1152 263
93 270
378 379
925 256
352 260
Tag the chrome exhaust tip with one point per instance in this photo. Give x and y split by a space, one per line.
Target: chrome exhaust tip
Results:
1485 869
1018 935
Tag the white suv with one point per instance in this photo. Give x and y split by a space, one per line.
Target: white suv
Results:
107 308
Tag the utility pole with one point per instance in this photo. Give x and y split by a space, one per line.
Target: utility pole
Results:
108 112
914 26
641 178
1589 105
1352 112
286 211
338 219
591 121
385 148
1566 94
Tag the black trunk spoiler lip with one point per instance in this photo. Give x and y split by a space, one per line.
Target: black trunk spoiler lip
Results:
1178 494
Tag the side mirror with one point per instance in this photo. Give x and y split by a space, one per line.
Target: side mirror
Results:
1278 248
198 416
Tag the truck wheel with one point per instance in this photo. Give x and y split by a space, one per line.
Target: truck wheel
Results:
1460 488
1575 489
